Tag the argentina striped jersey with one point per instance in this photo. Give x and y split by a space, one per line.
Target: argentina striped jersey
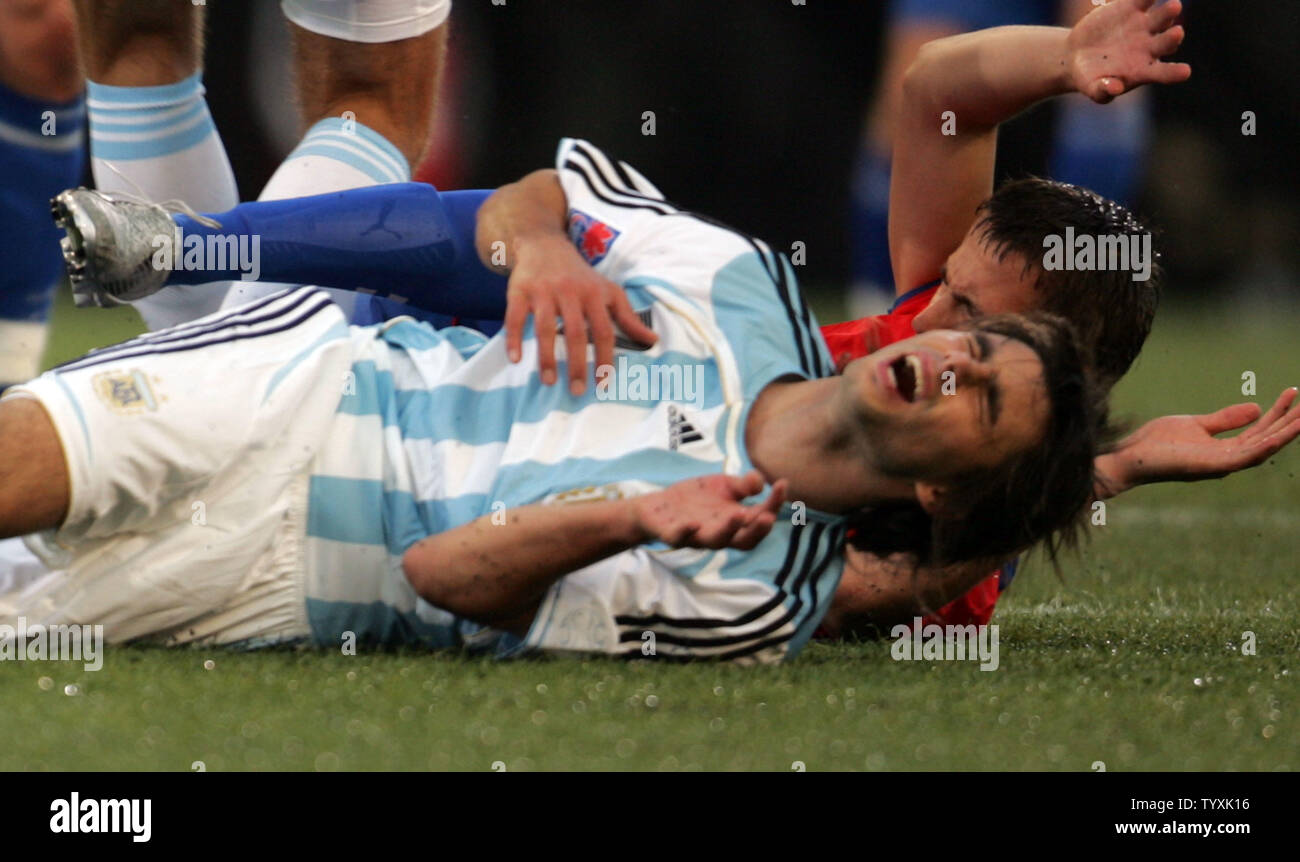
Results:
438 428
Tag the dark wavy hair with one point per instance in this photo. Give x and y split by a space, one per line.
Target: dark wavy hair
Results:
1111 312
1039 495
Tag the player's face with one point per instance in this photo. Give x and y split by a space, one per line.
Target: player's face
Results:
947 402
975 283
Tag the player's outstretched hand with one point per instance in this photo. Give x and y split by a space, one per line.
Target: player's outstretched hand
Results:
707 512
1119 46
551 280
1185 448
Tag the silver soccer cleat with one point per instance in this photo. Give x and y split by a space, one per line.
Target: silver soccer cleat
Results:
110 245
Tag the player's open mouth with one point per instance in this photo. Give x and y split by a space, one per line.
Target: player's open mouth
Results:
905 375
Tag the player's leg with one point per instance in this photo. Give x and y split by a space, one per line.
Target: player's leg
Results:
34 489
384 65
42 129
187 457
150 130
367 73
1100 147
406 241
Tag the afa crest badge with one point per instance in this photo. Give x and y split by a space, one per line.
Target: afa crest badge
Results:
125 392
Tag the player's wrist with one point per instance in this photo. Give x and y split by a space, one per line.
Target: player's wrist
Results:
1063 56
1115 475
639 515
543 245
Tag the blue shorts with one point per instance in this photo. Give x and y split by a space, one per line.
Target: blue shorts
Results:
976 14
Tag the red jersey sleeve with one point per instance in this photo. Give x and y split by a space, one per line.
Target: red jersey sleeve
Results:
856 338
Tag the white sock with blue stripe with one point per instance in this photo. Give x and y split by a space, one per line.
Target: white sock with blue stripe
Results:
337 154
161 142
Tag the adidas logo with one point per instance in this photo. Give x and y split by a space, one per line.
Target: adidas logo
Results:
679 430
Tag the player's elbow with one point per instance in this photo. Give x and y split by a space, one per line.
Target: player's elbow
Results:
422 574
918 81
440 581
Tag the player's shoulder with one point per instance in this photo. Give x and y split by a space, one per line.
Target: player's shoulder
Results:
609 198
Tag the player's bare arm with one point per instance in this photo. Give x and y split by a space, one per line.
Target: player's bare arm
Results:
549 279
943 162
877 593
497 572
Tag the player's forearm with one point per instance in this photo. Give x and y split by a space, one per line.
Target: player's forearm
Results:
882 592
499 566
987 77
955 94
534 209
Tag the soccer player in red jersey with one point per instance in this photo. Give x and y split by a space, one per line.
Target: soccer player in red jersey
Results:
958 254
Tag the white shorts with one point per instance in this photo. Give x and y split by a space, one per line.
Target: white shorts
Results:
367 20
189 452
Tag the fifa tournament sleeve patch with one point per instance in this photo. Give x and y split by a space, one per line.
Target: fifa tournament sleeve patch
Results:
592 236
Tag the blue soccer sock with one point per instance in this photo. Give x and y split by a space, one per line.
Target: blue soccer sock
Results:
42 151
406 241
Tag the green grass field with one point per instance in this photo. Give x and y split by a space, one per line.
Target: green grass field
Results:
1132 659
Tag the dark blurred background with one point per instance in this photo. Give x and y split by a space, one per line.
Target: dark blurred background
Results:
759 109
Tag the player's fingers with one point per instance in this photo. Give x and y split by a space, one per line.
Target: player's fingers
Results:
777 497
602 332
575 342
1166 43
544 327
1258 451
628 320
732 523
685 536
753 533
1229 418
736 524
745 486
516 317
1285 434
1171 73
1104 90
1275 414
1282 423
1143 5
1163 15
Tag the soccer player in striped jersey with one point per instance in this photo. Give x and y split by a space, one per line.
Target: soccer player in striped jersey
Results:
273 475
